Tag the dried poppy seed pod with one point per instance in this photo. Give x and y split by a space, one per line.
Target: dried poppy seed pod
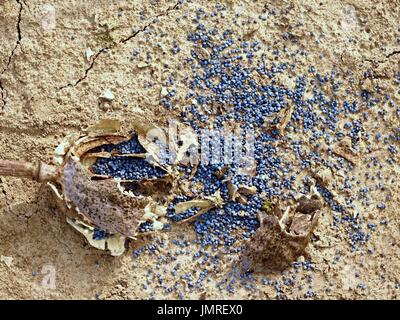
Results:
90 200
119 206
38 171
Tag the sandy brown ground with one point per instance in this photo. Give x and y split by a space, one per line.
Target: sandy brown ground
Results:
49 89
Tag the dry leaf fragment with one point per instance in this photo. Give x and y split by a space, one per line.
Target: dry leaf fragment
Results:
6 260
114 243
344 150
107 95
89 54
204 205
164 91
247 190
309 206
201 53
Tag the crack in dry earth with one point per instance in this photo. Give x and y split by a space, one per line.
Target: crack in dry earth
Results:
123 41
3 95
392 53
3 91
389 55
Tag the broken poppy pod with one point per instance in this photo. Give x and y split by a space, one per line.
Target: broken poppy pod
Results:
282 238
109 180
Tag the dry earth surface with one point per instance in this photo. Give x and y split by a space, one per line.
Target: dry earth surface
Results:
48 88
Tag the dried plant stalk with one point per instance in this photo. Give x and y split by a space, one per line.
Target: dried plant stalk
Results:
38 171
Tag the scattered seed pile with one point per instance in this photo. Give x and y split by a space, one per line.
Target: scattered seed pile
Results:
303 135
322 134
309 130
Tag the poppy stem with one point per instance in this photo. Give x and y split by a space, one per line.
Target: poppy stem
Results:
38 171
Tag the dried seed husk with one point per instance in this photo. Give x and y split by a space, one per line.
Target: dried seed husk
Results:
206 204
279 240
114 243
100 201
111 204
